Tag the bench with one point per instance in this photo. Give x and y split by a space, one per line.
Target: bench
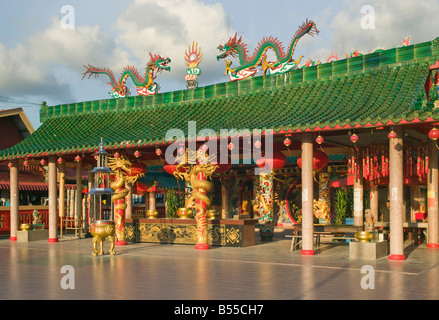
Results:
318 235
297 239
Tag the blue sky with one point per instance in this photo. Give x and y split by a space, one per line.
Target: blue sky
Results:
41 61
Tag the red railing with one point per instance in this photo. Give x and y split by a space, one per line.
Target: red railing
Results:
25 216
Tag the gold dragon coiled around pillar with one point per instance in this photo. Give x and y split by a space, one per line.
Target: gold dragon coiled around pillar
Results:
119 194
200 188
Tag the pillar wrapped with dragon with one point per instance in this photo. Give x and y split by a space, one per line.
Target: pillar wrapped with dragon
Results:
123 173
236 48
145 84
197 168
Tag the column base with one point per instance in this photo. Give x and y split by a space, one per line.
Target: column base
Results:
307 252
202 246
120 243
432 245
53 240
397 257
13 238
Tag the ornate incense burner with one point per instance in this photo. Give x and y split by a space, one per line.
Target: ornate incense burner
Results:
100 230
364 236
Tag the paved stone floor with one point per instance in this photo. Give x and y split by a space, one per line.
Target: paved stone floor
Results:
266 271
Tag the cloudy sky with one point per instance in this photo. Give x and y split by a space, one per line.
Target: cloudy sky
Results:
44 44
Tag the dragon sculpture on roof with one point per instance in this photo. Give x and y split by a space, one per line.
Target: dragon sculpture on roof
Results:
236 48
145 84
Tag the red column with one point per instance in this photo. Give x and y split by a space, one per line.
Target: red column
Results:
396 184
307 195
14 196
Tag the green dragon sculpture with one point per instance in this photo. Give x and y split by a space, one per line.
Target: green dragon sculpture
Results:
145 85
237 49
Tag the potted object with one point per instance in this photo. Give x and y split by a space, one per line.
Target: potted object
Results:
343 206
25 227
212 214
364 236
152 214
184 213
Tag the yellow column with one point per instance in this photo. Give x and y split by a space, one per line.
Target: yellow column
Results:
14 197
307 195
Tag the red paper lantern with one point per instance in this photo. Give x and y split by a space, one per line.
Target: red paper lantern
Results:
276 162
231 146
171 168
392 135
25 163
354 138
77 158
60 160
116 155
137 168
137 153
320 139
158 152
433 134
257 144
287 142
43 162
320 160
10 165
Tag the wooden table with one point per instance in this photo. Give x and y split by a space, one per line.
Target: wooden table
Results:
412 226
340 232
330 228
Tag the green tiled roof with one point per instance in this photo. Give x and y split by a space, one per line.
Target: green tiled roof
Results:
374 89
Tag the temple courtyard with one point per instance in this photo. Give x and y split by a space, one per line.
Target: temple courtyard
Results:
267 271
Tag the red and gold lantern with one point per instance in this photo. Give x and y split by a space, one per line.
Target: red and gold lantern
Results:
277 161
320 160
137 153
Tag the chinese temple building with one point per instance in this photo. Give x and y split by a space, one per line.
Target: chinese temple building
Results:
374 115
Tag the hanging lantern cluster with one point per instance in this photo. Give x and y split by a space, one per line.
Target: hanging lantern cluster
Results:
374 160
416 161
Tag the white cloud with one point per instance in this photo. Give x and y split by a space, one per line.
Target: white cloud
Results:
394 20
168 27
